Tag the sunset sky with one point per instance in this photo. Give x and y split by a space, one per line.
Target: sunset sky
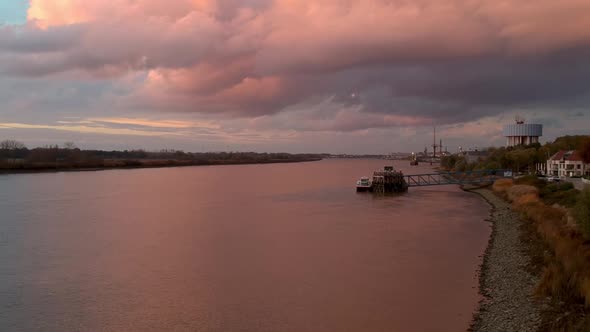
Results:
342 76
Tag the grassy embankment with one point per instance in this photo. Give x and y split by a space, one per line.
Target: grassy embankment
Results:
557 230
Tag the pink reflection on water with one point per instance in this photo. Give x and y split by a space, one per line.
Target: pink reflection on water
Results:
249 248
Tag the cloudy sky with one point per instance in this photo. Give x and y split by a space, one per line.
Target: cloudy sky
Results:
342 76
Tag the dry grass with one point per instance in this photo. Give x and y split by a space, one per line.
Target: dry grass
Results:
502 185
566 272
518 191
526 199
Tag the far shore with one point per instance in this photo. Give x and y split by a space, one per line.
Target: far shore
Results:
135 164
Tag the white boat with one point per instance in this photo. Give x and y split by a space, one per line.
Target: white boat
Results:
364 184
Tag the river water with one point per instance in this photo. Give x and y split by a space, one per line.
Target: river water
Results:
285 247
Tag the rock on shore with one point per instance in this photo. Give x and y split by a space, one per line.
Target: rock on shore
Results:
507 286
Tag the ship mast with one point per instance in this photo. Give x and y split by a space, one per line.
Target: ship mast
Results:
434 146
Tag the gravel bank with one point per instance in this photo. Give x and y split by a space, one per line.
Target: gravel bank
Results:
505 283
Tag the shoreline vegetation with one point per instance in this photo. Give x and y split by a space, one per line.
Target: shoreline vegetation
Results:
138 164
535 274
16 158
520 159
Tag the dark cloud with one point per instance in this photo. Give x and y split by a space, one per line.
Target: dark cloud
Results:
447 61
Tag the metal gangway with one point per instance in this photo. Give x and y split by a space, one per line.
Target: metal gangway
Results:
460 178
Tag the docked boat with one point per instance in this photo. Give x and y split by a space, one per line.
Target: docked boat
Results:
364 184
383 181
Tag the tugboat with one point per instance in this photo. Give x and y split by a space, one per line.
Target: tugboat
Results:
363 185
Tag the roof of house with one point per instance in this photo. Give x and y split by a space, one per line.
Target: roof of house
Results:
567 155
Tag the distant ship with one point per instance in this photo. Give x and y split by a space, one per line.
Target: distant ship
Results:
414 160
364 184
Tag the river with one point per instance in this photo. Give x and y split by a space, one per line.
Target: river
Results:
283 247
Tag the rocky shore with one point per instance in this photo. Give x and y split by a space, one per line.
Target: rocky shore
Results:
505 282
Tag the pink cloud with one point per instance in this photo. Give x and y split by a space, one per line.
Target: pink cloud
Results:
257 57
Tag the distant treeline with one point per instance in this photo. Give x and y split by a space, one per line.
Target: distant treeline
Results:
520 158
16 156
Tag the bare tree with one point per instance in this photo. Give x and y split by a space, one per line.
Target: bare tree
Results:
11 145
70 146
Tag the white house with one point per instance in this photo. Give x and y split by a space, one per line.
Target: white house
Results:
567 164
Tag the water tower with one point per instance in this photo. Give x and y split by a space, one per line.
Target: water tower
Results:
522 133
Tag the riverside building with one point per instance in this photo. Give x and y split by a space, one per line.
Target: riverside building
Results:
567 164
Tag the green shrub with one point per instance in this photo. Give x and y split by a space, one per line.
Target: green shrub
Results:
461 166
556 187
531 180
564 186
448 162
563 194
566 198
582 212
493 165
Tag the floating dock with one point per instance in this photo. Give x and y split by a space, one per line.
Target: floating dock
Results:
388 180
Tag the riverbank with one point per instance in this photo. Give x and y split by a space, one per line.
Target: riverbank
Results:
507 277
134 164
